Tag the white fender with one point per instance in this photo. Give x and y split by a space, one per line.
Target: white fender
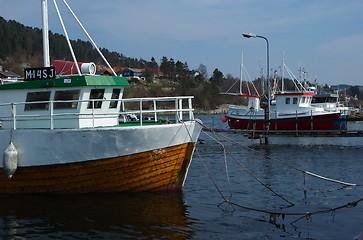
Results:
10 160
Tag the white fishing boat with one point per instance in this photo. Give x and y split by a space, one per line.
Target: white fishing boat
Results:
62 134
287 110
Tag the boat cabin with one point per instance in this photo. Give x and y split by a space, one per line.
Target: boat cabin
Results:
292 101
65 102
326 100
253 101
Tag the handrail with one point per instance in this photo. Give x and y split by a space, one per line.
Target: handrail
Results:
172 106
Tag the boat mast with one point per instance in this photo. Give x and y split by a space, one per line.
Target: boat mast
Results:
283 72
241 74
262 78
46 59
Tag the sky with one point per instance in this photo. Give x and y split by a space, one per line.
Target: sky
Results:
323 37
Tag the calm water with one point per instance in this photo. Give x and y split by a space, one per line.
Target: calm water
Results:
256 179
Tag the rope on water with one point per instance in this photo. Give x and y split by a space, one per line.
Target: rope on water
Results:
347 205
249 172
211 176
273 214
329 179
205 166
291 166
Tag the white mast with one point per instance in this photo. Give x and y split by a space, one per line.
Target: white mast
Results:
283 72
241 74
46 59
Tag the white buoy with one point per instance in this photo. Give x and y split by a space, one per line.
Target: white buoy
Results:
10 161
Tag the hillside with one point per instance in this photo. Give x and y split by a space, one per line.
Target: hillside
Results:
21 47
22 44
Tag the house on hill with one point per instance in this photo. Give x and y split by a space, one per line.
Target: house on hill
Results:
131 73
8 75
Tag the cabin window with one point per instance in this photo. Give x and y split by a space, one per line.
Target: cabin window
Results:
294 100
66 96
115 95
42 97
287 100
302 100
96 94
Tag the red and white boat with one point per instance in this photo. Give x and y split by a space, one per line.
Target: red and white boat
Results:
288 110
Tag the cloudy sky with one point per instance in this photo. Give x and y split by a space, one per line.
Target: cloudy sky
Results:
325 37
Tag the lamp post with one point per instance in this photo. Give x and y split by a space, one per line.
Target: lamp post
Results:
252 35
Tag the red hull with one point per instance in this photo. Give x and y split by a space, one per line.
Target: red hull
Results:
321 122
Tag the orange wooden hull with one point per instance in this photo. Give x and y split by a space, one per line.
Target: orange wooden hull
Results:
157 170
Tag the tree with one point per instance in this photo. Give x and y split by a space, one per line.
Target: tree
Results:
354 91
217 77
202 69
148 75
164 65
153 66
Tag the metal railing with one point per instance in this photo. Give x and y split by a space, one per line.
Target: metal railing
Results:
146 109
164 105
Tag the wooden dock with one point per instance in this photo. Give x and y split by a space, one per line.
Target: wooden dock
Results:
297 133
294 133
307 133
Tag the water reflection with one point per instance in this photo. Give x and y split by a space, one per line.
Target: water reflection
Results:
278 166
141 215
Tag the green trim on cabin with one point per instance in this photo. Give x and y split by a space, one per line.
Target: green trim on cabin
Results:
70 81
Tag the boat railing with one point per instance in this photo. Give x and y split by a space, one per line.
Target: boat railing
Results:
161 105
146 109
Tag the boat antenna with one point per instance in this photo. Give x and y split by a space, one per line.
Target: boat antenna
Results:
262 78
283 72
241 74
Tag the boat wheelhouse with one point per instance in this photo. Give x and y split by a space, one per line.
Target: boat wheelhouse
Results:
74 101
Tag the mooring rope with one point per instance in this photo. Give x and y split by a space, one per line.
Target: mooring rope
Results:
273 214
206 168
249 172
291 166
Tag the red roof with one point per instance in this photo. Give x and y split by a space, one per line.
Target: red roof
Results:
305 93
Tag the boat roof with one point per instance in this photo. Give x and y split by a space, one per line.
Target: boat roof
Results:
250 95
333 95
68 81
303 93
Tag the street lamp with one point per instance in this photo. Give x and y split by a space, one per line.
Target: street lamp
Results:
252 35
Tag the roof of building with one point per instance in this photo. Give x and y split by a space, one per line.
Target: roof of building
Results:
9 74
